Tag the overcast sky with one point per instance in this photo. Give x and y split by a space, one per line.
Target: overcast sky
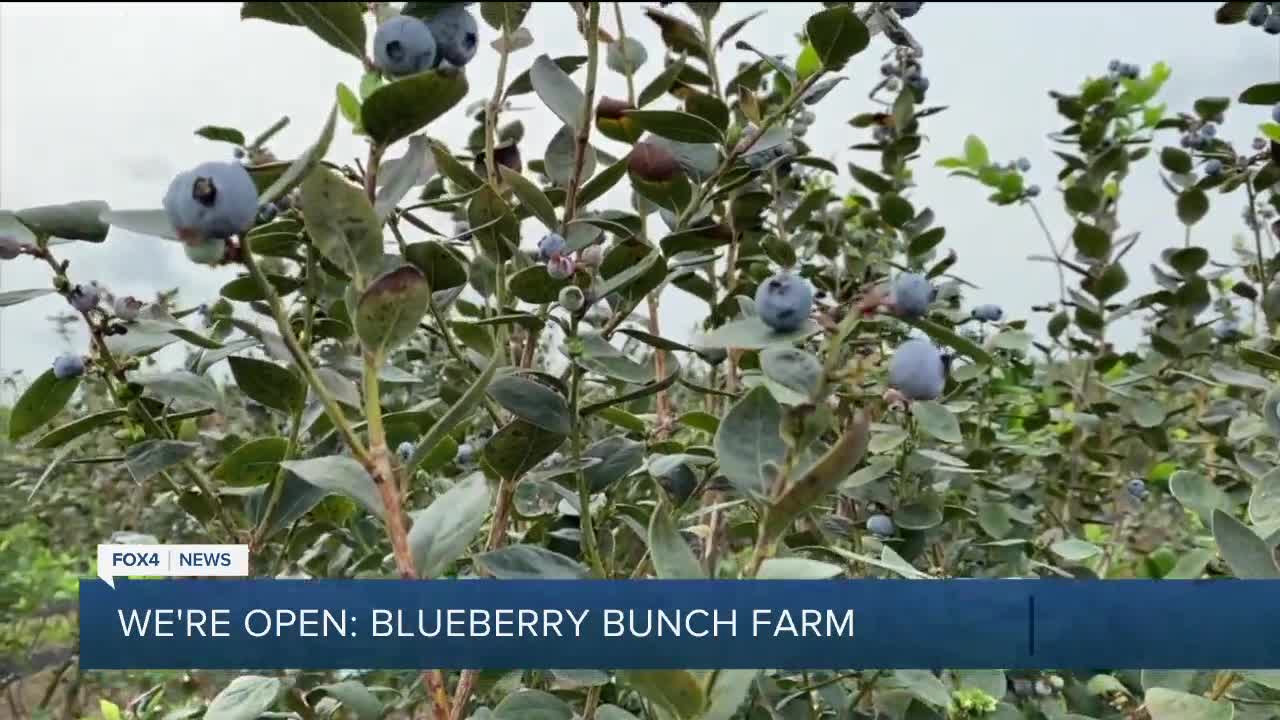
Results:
99 101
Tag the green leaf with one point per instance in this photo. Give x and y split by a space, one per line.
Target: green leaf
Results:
518 447
632 269
677 692
441 267
72 221
391 308
837 34
529 562
600 357
17 297
557 91
1248 555
749 436
399 176
221 134
341 24
726 693
457 412
1175 160
64 434
246 288
1082 199
1112 281
1165 704
535 285
602 182
1264 502
1091 241
268 383
1191 565
625 56
1198 494
1257 358
751 333
792 368
936 420
342 475
661 84
1193 205
355 697
509 15
401 108
975 153
797 568
675 125
300 168
533 199
896 210
672 557
180 385
525 704
494 224
923 685
441 533
341 223
1263 94
349 106
524 82
532 401
248 696
463 176
253 463
150 457
40 403
618 457
1074 550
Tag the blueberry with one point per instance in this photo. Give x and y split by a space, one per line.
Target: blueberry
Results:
988 313
551 245
465 454
907 9
888 69
85 297
571 298
1114 65
1213 167
1137 488
1131 71
405 451
1261 143
1257 14
68 366
917 370
1024 164
1226 330
783 301
560 267
591 256
1186 140
214 200
404 45
880 525
892 85
1209 130
1033 190
126 308
10 247
267 213
238 153
210 251
911 295
455 33
919 82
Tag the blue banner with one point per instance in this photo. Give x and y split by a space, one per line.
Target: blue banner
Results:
692 624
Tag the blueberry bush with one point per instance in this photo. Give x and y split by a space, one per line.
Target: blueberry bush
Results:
444 360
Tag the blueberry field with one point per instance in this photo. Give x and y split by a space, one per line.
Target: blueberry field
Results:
446 357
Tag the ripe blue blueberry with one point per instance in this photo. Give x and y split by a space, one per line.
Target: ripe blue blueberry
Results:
405 451
880 525
10 247
560 267
1272 25
911 295
1257 14
1209 130
68 366
404 45
456 34
551 245
783 301
465 454
988 313
888 69
1114 65
919 82
85 297
1024 164
267 213
917 370
1137 488
1213 167
907 9
127 307
213 200
1131 71
1033 190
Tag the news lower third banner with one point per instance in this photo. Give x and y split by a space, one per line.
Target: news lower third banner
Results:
697 624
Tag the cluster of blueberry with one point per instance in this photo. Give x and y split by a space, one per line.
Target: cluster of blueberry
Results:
561 265
405 45
1121 69
910 72
87 298
1137 489
1200 137
1265 16
1044 687
465 455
